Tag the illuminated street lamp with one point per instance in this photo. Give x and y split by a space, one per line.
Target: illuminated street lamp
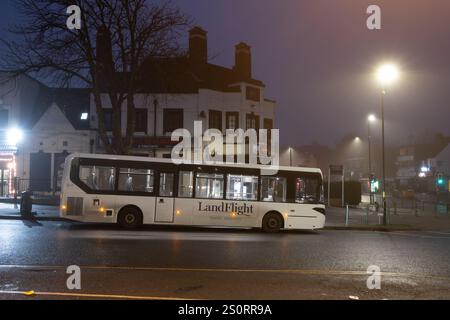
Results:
387 74
14 136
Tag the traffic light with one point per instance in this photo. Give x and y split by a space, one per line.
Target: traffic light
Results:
440 181
374 185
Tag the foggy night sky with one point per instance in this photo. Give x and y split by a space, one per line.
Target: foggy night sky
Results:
317 59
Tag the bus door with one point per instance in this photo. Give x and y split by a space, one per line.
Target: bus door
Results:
165 201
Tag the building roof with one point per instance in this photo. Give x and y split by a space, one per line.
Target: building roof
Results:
182 75
72 102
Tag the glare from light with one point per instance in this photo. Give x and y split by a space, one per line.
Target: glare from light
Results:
424 169
14 136
84 116
371 118
387 74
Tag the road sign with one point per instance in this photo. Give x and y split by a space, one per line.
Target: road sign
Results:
336 170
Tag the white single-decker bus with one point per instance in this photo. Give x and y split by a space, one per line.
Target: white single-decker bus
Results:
135 191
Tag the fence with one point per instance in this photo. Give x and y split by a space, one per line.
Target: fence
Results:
39 188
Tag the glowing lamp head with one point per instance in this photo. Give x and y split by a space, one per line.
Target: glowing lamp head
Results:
14 136
371 118
387 74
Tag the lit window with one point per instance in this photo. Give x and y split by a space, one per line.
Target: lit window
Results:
84 116
273 189
186 184
209 186
242 187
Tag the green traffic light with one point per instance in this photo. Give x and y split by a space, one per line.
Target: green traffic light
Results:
440 181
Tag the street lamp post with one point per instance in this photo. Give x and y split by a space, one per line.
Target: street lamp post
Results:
386 74
370 119
290 156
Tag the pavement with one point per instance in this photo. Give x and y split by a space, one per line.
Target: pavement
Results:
168 263
403 219
10 211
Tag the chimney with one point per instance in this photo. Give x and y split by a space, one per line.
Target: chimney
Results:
198 45
243 64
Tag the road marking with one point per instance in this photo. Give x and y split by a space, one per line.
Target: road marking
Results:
91 295
286 271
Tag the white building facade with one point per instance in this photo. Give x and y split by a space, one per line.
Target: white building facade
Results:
39 127
221 98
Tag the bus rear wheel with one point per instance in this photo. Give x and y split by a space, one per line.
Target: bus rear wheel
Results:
272 222
130 218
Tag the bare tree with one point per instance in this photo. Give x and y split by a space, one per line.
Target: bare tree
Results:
106 54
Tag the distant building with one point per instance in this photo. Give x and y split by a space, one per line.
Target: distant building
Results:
418 165
39 126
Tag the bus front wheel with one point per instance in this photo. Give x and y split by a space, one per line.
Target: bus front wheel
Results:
272 222
130 218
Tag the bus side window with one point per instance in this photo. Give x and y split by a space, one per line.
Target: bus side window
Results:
273 189
209 186
307 190
242 187
186 184
166 184
97 177
136 180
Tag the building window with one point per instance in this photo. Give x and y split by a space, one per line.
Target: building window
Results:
252 121
242 187
173 120
209 186
273 189
232 120
253 94
268 124
141 120
4 118
65 144
215 119
108 117
186 184
136 180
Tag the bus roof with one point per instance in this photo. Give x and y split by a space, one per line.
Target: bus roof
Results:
162 160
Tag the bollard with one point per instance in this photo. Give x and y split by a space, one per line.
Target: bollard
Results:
346 216
26 204
367 213
416 212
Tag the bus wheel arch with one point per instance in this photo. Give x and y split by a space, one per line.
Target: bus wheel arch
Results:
130 217
272 222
